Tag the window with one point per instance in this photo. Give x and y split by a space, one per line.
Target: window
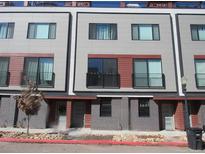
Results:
198 32
148 73
4 74
41 31
102 31
105 108
39 71
200 73
145 32
102 73
143 108
6 30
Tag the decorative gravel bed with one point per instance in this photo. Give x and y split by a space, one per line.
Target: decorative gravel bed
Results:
41 136
139 138
64 136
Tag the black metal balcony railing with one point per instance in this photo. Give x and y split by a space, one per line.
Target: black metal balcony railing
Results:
4 78
200 80
148 80
99 80
42 79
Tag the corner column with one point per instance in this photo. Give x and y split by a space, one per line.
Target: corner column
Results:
88 115
179 116
68 114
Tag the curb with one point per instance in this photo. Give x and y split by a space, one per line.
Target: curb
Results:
103 142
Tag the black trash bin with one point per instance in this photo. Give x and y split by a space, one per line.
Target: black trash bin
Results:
194 136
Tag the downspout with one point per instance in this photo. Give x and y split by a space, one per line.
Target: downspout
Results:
176 51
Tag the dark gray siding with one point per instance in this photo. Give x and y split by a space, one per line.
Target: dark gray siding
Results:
7 111
36 121
121 120
144 123
118 120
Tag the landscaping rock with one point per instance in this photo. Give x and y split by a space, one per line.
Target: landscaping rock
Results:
34 136
136 138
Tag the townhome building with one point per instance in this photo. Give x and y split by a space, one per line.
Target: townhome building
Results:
104 68
34 48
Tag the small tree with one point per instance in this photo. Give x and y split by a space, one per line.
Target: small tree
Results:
30 101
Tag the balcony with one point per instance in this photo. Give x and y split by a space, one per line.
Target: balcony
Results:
4 78
200 80
99 80
149 81
41 79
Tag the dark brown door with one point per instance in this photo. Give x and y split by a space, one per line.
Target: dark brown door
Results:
78 112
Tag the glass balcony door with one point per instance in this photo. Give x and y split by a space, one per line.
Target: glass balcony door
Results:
39 71
4 66
102 73
147 73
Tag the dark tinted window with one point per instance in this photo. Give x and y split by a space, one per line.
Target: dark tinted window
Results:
105 108
144 108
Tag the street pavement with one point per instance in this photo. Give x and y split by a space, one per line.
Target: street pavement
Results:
76 148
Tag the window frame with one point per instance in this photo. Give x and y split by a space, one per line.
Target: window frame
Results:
132 25
196 81
147 66
42 23
8 73
106 102
89 31
8 23
142 113
197 25
38 72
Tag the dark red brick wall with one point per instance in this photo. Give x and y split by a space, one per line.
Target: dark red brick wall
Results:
195 106
27 54
123 56
199 56
125 71
15 69
68 114
179 116
88 115
195 121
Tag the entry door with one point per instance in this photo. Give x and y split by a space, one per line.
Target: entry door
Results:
167 116
62 115
78 112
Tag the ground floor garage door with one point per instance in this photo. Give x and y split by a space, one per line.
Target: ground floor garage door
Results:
78 112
